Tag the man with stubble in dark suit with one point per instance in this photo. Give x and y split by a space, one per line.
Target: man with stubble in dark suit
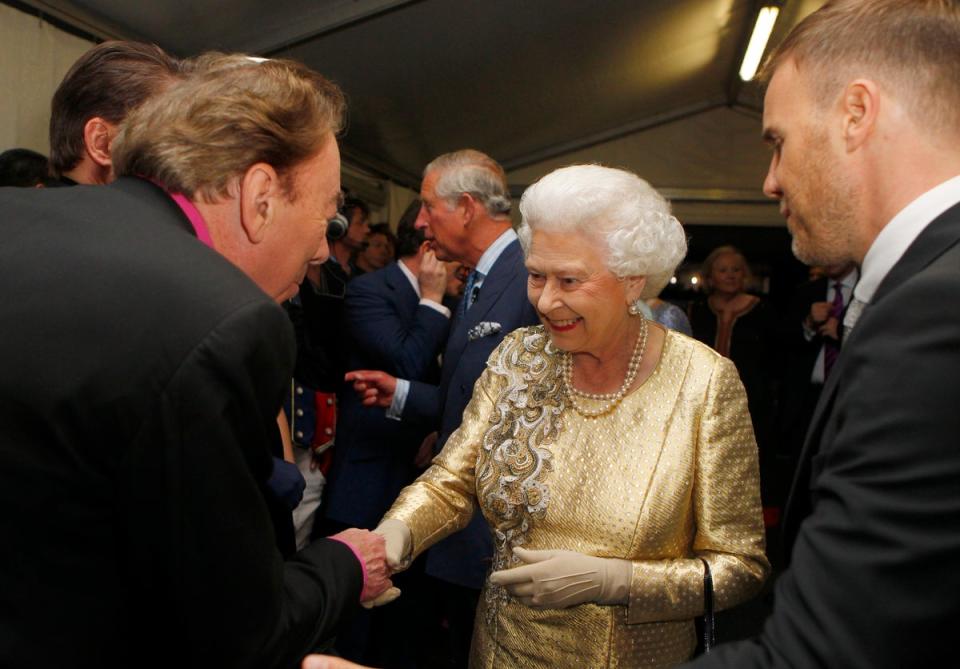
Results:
144 361
862 112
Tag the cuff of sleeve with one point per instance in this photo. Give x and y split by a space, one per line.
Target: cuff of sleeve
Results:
363 564
436 306
395 410
665 590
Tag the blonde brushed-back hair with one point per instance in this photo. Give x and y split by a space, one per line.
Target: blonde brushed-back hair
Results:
910 47
230 112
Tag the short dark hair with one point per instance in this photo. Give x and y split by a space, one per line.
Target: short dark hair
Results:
22 168
409 238
383 229
109 80
352 204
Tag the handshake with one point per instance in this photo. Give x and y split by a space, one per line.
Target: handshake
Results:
382 553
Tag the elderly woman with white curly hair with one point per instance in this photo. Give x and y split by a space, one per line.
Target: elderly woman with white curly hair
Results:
614 459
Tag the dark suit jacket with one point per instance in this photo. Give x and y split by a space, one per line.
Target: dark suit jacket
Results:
142 375
463 558
387 329
873 521
797 394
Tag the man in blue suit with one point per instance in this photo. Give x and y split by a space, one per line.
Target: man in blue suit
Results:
465 215
395 322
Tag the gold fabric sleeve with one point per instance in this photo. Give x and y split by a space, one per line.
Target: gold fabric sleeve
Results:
442 500
728 524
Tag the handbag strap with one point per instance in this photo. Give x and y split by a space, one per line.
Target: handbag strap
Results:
709 624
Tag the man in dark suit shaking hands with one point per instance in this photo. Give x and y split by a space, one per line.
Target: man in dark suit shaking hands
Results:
862 112
144 359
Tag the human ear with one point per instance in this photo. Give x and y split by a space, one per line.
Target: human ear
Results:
259 189
861 105
98 133
469 205
633 288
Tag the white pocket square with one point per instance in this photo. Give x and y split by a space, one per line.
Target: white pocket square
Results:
483 329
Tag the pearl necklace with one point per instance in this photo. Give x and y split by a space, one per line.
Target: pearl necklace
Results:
610 400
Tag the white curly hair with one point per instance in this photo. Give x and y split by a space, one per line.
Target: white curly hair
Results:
615 207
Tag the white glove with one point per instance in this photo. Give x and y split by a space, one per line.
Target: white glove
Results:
384 597
557 579
398 541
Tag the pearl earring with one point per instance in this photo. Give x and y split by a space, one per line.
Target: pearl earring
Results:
635 309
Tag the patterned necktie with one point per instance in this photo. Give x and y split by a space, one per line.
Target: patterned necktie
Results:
471 291
831 347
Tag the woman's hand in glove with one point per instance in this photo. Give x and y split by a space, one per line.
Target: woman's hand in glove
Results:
557 579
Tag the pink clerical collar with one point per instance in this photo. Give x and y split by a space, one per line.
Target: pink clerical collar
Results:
195 217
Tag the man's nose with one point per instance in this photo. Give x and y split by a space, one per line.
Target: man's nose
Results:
421 222
322 253
771 186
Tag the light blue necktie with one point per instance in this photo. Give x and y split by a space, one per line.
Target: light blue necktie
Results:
470 291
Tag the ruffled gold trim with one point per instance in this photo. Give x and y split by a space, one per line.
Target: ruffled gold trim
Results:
514 458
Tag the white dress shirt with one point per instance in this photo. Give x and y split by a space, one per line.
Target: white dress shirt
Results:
895 239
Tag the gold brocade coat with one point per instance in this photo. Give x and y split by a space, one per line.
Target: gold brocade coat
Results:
668 476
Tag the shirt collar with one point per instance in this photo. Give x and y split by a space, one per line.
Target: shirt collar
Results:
897 236
410 277
490 256
191 212
850 280
194 216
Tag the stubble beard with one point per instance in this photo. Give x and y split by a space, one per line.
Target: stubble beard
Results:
823 236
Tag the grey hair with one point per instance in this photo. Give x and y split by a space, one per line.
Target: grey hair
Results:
473 172
615 207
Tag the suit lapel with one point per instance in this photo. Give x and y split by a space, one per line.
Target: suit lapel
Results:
491 292
942 234
494 285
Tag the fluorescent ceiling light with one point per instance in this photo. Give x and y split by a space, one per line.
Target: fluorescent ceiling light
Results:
758 42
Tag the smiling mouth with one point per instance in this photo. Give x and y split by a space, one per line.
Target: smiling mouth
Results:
564 325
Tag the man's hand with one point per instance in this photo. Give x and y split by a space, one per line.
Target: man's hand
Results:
819 313
375 388
830 328
372 549
425 452
329 662
433 277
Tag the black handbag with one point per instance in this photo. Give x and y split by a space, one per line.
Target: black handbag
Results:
709 623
